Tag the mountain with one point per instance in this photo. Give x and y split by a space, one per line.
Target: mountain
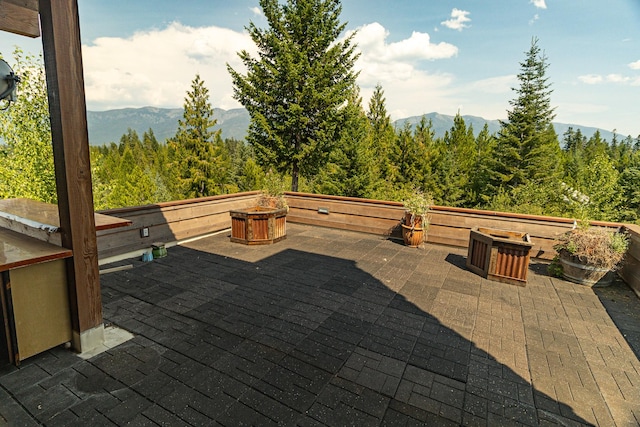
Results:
109 126
442 123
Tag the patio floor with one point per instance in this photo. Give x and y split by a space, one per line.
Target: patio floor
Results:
339 328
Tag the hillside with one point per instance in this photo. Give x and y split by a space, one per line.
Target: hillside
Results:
442 123
109 126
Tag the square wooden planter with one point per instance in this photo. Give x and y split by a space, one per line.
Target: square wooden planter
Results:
499 255
258 225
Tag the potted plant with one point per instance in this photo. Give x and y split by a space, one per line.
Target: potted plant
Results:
416 222
265 223
589 255
272 195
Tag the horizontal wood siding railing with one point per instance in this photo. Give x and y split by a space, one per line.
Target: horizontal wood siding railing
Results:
630 270
448 226
175 221
170 222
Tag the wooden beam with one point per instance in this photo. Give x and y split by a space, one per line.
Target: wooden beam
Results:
20 17
67 108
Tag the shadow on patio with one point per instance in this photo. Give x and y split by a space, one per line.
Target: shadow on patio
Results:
334 328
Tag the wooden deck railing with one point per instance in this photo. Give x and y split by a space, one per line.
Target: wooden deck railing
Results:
170 222
175 221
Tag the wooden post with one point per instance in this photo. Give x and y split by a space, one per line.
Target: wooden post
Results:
67 106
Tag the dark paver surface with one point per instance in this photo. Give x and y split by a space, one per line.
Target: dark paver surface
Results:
334 328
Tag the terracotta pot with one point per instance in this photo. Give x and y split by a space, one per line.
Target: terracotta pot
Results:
417 220
413 236
577 271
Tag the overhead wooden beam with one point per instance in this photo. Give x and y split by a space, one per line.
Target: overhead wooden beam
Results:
67 108
20 17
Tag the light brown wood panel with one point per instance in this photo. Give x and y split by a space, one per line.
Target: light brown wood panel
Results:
343 221
40 307
349 207
171 223
17 250
630 273
634 243
360 227
20 17
534 228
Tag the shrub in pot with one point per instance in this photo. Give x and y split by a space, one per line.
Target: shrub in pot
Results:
416 222
588 255
272 194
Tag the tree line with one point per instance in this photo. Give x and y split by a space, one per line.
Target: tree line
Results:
586 178
309 125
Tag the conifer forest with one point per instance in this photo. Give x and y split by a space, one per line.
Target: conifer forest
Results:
311 127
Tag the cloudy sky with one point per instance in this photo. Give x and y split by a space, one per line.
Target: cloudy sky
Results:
443 56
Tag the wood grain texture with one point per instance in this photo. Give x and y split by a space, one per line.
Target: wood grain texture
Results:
20 17
630 270
171 222
17 250
67 106
43 215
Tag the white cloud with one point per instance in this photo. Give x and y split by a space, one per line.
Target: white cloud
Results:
409 90
496 85
372 42
540 4
635 65
572 107
156 67
610 78
617 78
458 21
256 10
591 79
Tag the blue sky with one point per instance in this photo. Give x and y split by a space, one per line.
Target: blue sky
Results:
443 56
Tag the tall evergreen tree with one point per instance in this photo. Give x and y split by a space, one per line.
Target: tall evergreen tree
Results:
199 159
296 87
527 145
382 137
349 172
455 165
481 173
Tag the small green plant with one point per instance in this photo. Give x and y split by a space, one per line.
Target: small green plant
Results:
555 268
418 204
596 246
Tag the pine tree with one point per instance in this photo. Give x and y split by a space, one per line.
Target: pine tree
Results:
296 87
455 164
349 170
423 136
528 149
382 138
199 160
481 174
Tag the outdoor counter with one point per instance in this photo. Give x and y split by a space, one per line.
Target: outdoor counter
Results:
34 299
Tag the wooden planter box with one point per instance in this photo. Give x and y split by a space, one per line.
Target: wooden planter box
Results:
258 226
499 255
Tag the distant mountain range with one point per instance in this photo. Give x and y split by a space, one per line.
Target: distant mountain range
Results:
109 126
